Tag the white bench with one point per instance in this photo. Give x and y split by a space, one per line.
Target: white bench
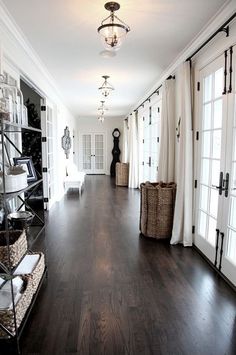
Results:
74 180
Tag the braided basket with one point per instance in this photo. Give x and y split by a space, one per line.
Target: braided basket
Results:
157 209
31 282
122 174
7 315
17 247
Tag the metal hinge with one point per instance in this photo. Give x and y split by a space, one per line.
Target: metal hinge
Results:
195 184
45 170
158 109
197 135
143 118
45 199
143 163
158 139
43 108
44 139
198 86
193 229
143 140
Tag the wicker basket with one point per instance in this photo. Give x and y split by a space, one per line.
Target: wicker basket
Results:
122 174
18 246
36 275
7 315
157 209
31 284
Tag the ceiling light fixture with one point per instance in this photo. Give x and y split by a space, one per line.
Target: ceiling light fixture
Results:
102 108
112 33
101 118
106 88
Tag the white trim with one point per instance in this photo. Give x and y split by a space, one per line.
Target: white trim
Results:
11 26
220 17
93 133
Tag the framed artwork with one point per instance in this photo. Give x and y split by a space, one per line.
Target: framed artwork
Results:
66 142
28 166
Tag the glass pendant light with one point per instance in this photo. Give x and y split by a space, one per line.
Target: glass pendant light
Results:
102 108
101 118
112 29
106 88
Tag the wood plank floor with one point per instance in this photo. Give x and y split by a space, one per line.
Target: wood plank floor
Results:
111 292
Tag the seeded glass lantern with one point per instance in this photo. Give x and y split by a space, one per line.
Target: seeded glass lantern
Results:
112 29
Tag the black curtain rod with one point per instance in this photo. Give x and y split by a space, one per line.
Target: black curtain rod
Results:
154 92
223 28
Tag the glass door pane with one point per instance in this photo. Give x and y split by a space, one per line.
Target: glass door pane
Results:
229 226
99 153
155 137
146 146
211 135
87 151
51 154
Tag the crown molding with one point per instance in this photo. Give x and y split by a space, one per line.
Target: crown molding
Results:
215 22
15 31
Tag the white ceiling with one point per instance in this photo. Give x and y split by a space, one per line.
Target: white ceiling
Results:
64 35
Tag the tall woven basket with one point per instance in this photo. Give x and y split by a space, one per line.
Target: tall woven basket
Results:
122 174
157 209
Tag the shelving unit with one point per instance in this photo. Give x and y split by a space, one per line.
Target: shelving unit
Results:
25 199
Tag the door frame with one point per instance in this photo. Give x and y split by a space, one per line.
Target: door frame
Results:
44 119
80 145
224 203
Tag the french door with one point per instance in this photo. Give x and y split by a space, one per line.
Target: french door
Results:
48 153
149 147
93 153
216 182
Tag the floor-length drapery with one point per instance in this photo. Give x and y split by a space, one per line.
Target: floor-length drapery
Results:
133 151
182 227
125 144
140 145
166 166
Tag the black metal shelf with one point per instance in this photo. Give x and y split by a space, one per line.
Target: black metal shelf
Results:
19 126
31 199
10 195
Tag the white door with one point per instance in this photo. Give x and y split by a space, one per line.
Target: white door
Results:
228 266
151 140
215 208
93 153
48 152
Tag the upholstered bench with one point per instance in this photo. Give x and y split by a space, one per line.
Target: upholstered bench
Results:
74 179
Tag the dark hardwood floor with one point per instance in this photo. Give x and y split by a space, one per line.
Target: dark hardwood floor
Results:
112 292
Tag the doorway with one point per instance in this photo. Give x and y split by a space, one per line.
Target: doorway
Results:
92 146
215 217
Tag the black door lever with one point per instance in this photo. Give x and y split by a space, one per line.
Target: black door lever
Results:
220 187
226 185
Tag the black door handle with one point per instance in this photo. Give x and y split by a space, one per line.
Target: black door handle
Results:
220 187
226 185
217 245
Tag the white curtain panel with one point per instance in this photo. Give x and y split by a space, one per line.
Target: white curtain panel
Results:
133 151
166 166
182 227
125 152
140 144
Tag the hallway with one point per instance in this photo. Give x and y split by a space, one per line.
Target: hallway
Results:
112 292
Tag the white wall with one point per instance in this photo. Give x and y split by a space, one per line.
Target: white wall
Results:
92 125
20 60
